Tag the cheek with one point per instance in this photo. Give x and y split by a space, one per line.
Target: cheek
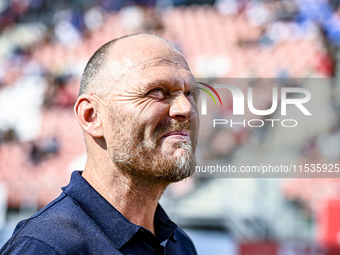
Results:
147 108
153 114
142 117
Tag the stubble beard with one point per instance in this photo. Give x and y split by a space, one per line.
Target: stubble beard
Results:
141 158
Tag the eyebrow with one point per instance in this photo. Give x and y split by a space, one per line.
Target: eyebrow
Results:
166 83
160 82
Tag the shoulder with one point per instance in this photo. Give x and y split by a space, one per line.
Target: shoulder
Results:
29 246
60 215
61 226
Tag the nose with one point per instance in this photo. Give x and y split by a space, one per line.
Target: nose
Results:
180 108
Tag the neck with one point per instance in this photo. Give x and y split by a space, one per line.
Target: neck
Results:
133 197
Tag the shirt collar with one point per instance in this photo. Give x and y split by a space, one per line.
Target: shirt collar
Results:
164 227
112 223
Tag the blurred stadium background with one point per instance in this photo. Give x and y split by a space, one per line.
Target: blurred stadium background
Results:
44 46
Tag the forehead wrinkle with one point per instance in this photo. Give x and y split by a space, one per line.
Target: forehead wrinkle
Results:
125 67
126 71
149 63
159 82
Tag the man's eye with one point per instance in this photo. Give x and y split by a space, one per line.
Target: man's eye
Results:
157 92
192 93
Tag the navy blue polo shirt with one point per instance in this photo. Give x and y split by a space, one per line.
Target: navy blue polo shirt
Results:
81 221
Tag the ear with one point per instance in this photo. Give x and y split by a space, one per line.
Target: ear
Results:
89 113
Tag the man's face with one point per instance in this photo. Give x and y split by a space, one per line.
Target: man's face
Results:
153 117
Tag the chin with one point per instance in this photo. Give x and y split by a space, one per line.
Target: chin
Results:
174 153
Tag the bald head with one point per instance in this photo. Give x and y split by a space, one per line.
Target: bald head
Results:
117 58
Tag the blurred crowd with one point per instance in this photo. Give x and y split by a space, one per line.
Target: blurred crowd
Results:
44 46
36 70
